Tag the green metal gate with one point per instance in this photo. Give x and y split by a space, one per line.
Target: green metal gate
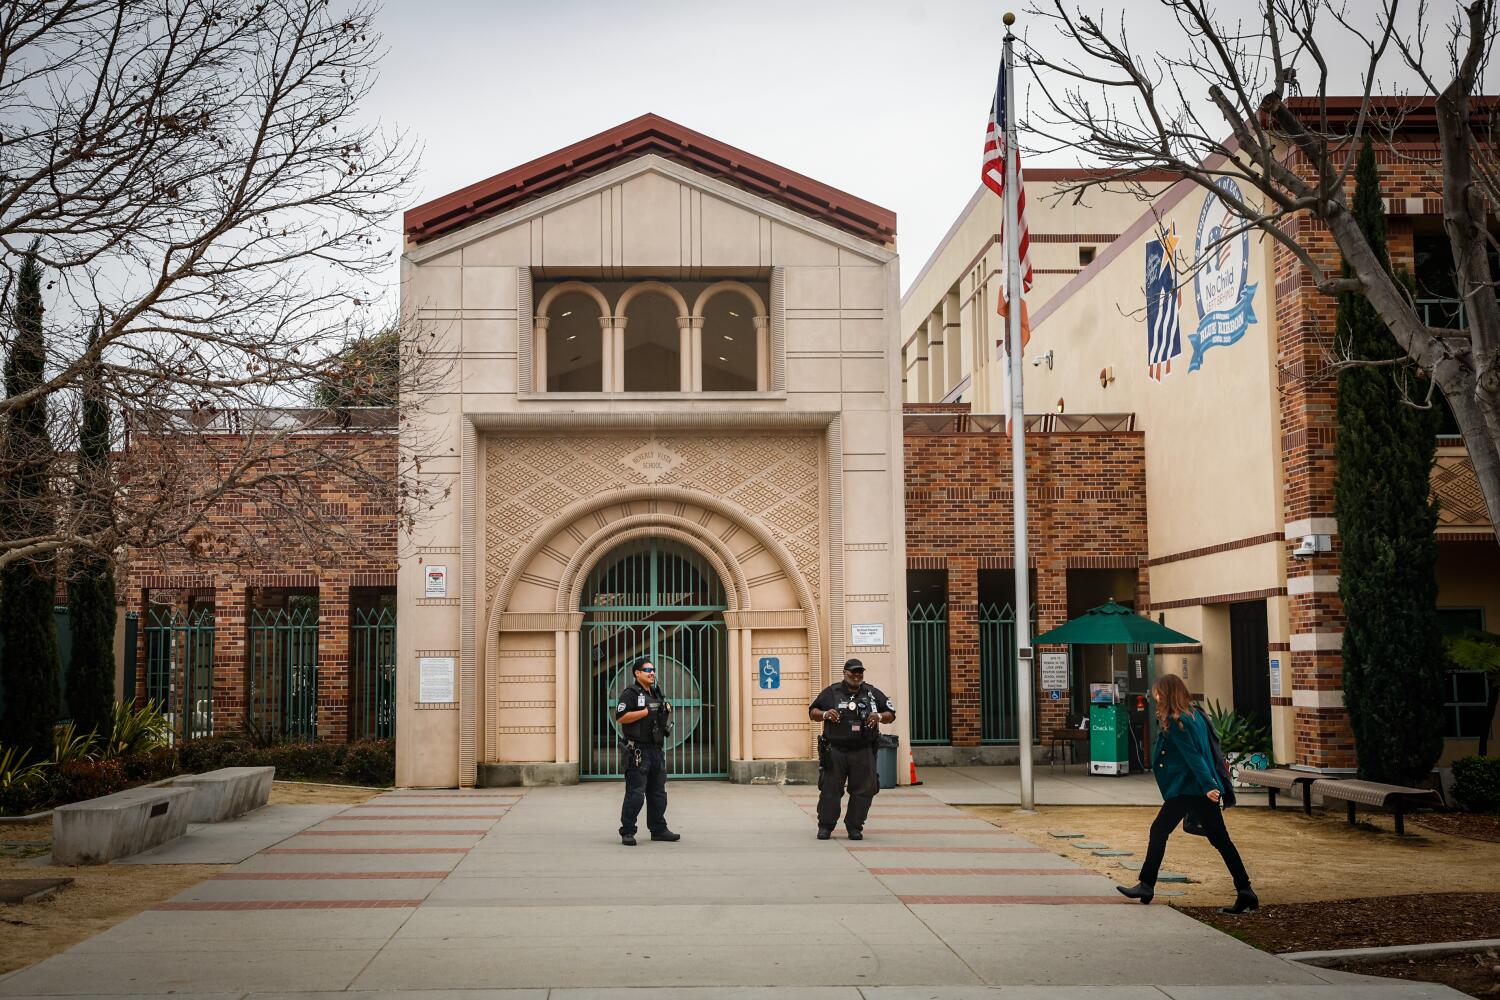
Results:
927 671
997 674
657 599
283 696
372 674
180 669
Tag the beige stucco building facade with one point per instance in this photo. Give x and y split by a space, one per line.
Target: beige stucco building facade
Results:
671 428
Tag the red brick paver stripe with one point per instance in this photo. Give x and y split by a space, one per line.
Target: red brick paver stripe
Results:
890 830
317 876
392 833
861 848
906 816
366 850
452 795
293 904
383 804
1011 900
978 871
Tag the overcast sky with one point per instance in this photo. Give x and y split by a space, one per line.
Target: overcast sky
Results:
884 99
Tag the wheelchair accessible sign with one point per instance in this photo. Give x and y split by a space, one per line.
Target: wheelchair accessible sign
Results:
770 673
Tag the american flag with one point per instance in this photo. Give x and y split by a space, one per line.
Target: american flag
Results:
992 172
1163 303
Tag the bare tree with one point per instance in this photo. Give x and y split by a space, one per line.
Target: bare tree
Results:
1249 99
196 177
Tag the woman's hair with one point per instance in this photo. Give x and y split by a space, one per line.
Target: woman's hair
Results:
1172 699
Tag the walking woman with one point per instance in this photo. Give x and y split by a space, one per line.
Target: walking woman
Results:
1192 784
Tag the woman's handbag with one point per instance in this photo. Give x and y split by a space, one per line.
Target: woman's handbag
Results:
1190 823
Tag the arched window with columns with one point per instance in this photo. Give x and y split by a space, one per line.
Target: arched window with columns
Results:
570 333
734 330
655 348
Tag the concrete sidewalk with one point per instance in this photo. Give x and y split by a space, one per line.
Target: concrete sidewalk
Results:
502 894
1055 784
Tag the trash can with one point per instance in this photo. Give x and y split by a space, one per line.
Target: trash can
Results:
885 760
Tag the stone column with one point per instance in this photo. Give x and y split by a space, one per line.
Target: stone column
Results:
618 348
937 366
762 353
539 353
953 342
608 335
747 702
736 696
333 659
572 664
685 338
560 696
964 697
920 394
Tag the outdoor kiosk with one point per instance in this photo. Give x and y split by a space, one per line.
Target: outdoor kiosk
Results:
1114 625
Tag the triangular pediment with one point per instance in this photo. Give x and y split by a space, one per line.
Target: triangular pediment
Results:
657 137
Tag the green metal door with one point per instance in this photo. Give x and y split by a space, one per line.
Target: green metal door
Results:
927 670
997 674
657 599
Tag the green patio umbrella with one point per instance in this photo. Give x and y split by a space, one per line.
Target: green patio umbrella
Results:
1113 625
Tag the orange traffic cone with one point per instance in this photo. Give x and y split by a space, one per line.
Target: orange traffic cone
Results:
914 780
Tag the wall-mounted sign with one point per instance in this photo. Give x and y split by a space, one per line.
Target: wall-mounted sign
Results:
1275 678
870 634
770 673
1054 671
1221 285
435 676
436 584
1163 305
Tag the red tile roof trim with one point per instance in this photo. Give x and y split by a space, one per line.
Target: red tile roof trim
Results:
649 134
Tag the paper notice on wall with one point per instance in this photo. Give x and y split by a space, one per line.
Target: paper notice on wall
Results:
1275 678
872 634
436 582
1054 671
435 679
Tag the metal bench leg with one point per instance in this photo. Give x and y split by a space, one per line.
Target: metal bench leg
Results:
1351 812
1306 799
1400 822
1271 797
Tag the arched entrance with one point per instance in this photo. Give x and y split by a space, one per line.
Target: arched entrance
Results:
658 598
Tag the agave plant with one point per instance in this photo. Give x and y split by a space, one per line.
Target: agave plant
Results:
1238 735
70 746
15 771
136 730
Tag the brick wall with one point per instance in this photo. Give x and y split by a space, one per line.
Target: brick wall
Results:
1309 395
248 549
1087 508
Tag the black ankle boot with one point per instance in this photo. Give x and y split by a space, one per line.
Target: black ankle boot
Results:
1145 893
1245 901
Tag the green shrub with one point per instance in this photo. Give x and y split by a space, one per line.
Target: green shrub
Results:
135 730
70 746
87 779
152 765
1238 736
371 762
1476 783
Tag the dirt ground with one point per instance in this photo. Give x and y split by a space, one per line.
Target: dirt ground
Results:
1476 975
104 895
1291 858
1376 922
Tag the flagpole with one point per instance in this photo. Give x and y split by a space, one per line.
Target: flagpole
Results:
1018 427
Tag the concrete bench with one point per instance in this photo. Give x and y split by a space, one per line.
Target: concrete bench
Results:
1395 798
227 792
1281 779
97 831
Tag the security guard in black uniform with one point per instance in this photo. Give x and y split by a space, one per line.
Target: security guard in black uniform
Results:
851 714
645 719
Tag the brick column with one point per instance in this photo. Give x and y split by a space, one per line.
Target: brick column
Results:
1051 611
333 659
231 662
963 651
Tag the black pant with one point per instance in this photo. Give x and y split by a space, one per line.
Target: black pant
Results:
1211 817
856 767
644 782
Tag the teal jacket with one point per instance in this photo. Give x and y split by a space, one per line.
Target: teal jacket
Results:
1183 763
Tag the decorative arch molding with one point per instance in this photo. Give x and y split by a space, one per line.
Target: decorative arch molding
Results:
719 287
659 495
649 288
616 533
583 287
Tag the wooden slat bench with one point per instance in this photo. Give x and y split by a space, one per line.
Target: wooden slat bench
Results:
1395 798
1281 779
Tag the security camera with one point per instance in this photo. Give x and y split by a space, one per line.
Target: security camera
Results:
1037 361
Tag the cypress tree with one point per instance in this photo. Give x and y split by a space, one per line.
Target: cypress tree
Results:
1392 648
91 581
29 662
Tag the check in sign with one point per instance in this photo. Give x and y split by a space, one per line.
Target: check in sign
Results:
770 673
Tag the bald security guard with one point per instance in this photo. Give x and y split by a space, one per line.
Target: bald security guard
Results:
851 713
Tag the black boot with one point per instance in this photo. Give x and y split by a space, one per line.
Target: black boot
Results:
1245 901
1145 893
855 833
628 839
825 832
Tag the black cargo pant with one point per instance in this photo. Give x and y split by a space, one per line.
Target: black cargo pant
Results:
856 767
1208 813
645 781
